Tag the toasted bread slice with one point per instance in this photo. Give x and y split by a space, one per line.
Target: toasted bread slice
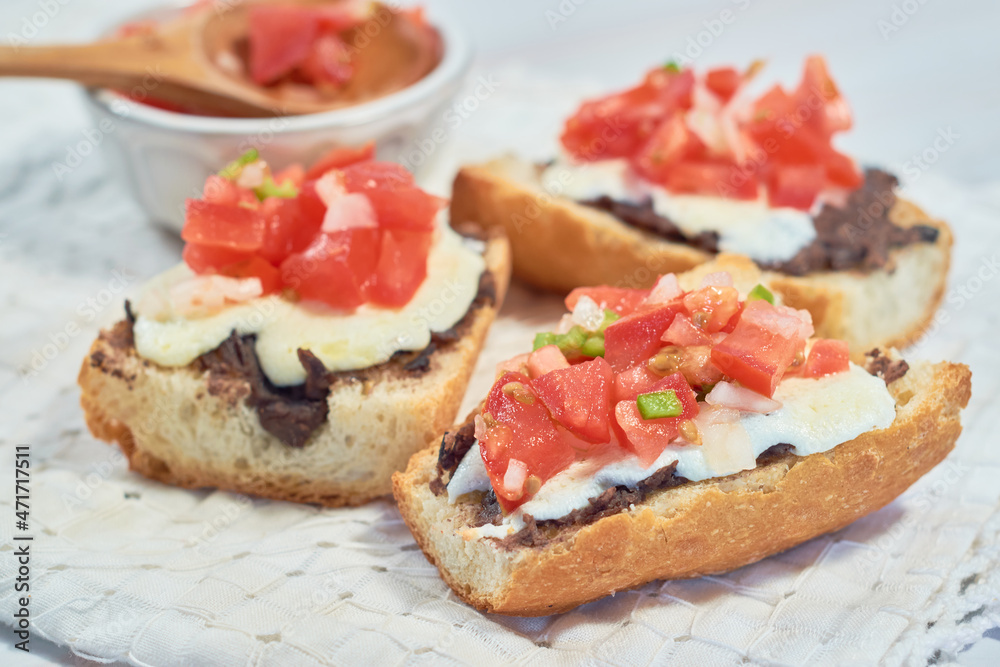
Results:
559 244
175 430
696 528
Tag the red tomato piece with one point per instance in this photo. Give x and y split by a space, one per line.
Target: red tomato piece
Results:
520 430
280 39
219 190
712 307
682 331
618 125
340 157
223 225
579 397
405 209
328 62
826 357
372 175
255 267
671 143
634 381
841 170
796 186
621 300
724 82
401 268
649 437
286 229
834 115
335 269
210 259
293 173
636 337
760 348
711 178
546 359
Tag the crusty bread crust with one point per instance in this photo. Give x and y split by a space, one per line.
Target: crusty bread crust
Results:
174 430
559 244
697 528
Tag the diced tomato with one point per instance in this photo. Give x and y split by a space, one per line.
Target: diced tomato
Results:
255 267
712 307
209 259
579 397
648 437
696 366
280 38
402 267
634 381
223 225
760 348
636 337
716 179
617 125
670 144
724 82
340 18
796 185
340 157
834 115
545 360
371 175
405 209
520 428
516 364
682 331
621 300
335 269
286 229
328 62
219 190
826 357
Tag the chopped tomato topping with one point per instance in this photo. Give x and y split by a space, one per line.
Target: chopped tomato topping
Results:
223 226
636 337
347 232
760 348
826 357
280 38
545 360
724 82
649 437
401 268
658 127
579 397
712 307
619 299
520 428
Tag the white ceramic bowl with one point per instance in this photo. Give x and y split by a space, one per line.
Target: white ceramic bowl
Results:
165 156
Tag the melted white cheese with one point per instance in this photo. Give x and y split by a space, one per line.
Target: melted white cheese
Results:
342 341
747 227
816 416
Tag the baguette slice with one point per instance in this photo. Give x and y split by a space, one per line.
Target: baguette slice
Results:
559 244
696 528
174 430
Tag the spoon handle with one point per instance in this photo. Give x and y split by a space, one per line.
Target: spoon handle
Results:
104 64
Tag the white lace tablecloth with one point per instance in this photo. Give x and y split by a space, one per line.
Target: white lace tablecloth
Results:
126 569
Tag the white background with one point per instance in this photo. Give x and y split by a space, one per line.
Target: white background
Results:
910 70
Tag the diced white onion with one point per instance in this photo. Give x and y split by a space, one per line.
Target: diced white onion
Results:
729 395
588 314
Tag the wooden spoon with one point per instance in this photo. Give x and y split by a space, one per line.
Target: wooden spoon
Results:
180 64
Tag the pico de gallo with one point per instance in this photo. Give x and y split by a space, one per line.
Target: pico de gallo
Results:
628 371
349 230
702 134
